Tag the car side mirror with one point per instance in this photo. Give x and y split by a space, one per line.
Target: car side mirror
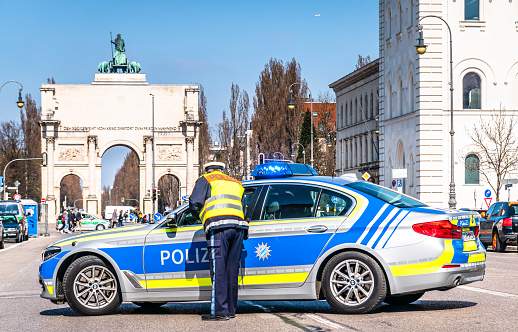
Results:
171 220
29 214
483 214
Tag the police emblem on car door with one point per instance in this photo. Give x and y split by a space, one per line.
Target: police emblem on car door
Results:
176 259
288 232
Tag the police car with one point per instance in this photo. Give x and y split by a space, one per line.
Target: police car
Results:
353 243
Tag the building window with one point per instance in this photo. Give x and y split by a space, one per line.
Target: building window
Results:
346 117
400 97
472 169
411 97
372 106
411 13
389 24
367 114
471 91
411 171
472 10
341 116
400 19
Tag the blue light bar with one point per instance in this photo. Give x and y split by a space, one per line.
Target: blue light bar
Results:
281 169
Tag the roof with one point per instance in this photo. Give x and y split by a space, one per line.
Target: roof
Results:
372 68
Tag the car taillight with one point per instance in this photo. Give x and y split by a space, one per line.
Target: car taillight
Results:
507 222
442 229
477 230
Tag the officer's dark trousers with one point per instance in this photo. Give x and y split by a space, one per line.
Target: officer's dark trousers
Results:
224 246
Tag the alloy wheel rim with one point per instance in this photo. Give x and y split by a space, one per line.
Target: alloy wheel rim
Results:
494 241
352 282
95 287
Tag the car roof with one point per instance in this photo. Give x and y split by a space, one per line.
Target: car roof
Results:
341 181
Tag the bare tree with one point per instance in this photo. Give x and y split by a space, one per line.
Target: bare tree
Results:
324 156
204 139
362 61
30 116
232 132
275 127
496 145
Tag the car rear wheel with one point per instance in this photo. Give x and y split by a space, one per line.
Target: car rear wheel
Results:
91 287
149 305
402 299
354 283
99 227
2 242
18 238
498 245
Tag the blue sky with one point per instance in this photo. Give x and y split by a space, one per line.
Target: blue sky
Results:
214 43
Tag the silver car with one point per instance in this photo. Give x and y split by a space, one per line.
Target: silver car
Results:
352 243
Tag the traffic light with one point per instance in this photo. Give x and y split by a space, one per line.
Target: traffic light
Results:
154 194
44 159
261 158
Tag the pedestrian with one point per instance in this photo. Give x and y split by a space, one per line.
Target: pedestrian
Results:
78 218
72 221
121 217
67 222
140 216
216 198
114 218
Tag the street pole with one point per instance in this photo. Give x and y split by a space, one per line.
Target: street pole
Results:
291 105
452 202
153 149
12 161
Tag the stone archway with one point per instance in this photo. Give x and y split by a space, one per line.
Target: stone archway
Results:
81 122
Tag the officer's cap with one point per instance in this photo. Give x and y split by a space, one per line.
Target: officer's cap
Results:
214 165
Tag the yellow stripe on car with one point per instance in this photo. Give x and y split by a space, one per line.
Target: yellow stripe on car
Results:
429 267
102 237
50 289
473 258
275 278
470 246
86 235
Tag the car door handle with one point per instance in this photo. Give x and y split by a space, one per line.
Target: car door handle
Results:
317 229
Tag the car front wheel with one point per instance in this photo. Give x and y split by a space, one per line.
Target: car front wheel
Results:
99 227
91 287
354 283
498 245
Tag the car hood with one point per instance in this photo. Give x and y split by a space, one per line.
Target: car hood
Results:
105 235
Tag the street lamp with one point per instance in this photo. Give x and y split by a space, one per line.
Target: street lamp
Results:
153 200
293 151
421 49
291 106
278 153
20 102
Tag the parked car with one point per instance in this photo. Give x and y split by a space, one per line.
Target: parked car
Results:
16 207
499 225
12 228
89 222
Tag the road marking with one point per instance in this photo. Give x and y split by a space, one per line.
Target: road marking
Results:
481 290
325 321
16 245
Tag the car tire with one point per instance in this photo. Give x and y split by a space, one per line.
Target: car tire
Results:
498 245
2 245
99 295
402 299
149 305
99 227
354 283
18 238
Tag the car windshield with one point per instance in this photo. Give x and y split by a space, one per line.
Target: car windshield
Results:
386 195
9 208
8 220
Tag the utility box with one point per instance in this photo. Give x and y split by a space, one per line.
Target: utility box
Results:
31 212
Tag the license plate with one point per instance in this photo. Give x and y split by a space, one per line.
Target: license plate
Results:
468 236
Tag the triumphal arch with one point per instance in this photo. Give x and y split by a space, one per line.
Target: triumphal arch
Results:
80 122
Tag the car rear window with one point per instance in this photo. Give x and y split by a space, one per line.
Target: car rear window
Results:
389 196
9 208
8 219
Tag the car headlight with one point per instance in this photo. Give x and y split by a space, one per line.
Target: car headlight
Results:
50 252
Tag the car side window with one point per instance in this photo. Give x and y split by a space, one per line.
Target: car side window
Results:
497 211
333 204
513 210
289 202
490 211
186 218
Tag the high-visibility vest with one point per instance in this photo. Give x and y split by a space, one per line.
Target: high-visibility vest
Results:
225 197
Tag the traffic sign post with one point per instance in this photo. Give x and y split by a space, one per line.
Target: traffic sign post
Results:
17 197
157 216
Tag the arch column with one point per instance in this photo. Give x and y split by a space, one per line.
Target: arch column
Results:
51 198
189 142
92 201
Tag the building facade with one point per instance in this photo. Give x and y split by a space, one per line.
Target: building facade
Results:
80 122
357 113
414 91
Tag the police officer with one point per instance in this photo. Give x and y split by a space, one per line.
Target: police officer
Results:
216 198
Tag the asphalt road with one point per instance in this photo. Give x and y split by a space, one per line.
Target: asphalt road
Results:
488 305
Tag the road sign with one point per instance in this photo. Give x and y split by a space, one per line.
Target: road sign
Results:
17 183
17 197
399 173
487 193
122 200
1 180
334 199
157 216
43 200
132 216
488 201
11 188
184 198
399 183
366 176
394 183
